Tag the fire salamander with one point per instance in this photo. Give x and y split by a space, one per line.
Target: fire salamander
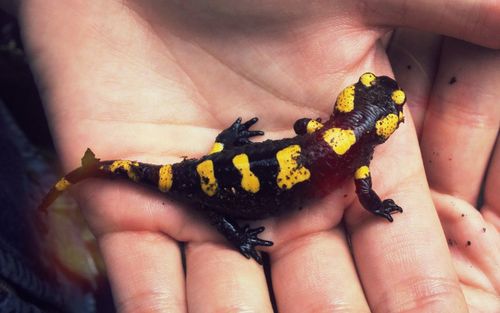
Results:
244 180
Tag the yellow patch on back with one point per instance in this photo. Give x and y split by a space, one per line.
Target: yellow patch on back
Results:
313 126
62 184
207 177
345 100
362 172
291 172
368 79
127 166
387 125
217 147
339 139
398 96
165 178
249 182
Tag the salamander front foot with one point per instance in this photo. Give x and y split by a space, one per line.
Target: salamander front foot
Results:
387 207
238 133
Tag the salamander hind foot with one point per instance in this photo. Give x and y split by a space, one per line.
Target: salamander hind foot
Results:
242 238
248 240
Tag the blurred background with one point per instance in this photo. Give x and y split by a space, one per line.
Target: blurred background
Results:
47 263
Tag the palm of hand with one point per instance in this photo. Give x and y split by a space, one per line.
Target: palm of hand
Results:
192 80
155 88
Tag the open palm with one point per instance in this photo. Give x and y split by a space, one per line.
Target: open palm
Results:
155 81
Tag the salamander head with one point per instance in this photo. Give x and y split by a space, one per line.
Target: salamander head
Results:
376 102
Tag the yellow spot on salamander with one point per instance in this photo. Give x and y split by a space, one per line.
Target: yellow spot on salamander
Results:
217 147
339 139
127 166
249 182
62 184
207 177
398 96
165 179
362 172
291 172
313 126
345 100
368 79
387 125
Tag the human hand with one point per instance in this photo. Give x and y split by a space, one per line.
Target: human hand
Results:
129 79
453 85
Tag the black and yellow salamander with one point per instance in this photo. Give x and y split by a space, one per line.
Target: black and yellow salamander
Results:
244 180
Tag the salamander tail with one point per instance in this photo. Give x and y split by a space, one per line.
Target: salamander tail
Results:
89 168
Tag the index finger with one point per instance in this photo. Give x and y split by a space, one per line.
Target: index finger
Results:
404 266
474 21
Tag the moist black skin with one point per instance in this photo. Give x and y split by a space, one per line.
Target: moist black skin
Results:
243 180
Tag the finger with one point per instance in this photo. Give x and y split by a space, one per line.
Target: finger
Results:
414 58
491 207
473 242
115 206
462 119
145 271
315 273
404 266
474 21
485 302
219 279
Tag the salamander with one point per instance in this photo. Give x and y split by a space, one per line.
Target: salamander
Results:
244 180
